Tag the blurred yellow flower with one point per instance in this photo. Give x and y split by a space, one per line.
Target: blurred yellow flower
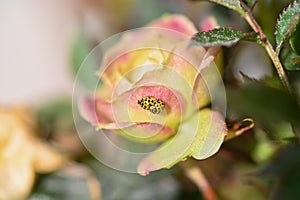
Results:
22 154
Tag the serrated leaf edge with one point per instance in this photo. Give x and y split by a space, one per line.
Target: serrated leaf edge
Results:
290 6
243 36
230 6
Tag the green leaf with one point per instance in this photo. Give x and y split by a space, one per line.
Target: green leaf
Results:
223 36
231 4
295 40
291 61
286 24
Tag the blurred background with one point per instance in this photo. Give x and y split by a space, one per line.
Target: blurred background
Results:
37 39
43 43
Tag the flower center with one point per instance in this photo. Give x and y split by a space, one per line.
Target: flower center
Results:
152 104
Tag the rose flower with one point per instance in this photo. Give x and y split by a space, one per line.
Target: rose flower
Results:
155 88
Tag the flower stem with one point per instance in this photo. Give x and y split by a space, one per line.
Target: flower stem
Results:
270 50
195 174
274 55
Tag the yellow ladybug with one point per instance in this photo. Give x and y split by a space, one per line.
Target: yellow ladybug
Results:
152 104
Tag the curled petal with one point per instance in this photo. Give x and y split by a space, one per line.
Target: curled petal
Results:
199 137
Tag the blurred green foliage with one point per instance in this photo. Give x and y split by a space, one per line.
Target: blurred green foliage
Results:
84 63
55 116
74 182
263 103
283 173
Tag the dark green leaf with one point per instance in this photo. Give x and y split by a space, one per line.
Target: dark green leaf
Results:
291 61
223 36
286 24
232 4
295 40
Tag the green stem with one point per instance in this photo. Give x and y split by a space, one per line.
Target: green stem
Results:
275 59
270 50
